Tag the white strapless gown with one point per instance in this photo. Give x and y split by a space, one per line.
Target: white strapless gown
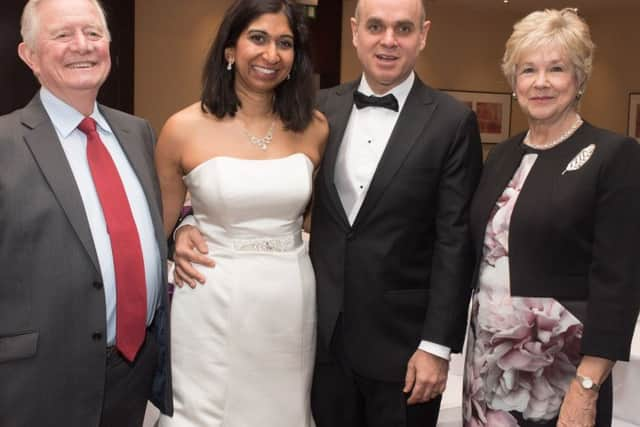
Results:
243 344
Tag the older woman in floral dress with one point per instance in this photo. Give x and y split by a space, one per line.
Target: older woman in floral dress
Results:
555 223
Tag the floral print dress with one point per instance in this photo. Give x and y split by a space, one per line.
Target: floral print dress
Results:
522 352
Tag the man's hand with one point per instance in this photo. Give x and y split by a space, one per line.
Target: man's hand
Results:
190 248
426 377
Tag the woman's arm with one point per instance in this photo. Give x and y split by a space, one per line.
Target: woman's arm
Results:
614 275
169 168
614 294
319 133
579 406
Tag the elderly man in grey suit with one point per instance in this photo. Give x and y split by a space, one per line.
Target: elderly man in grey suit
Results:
83 302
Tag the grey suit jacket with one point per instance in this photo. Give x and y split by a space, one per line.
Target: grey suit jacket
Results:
52 304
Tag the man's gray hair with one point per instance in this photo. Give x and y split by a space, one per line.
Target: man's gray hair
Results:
30 22
423 12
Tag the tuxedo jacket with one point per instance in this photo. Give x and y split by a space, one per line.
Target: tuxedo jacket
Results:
52 303
574 230
400 274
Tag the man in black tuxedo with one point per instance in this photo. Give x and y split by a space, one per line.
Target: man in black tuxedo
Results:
389 234
389 231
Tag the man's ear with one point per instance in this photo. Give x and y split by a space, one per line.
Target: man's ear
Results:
354 31
424 32
27 55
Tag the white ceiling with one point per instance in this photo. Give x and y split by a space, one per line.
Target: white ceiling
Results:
519 6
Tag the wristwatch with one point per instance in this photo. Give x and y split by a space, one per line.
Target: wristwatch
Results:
587 383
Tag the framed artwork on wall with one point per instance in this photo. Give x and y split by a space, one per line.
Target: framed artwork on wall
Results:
493 110
634 116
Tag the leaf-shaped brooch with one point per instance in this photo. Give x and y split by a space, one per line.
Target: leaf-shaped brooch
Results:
580 159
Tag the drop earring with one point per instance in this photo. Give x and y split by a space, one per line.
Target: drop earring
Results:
230 65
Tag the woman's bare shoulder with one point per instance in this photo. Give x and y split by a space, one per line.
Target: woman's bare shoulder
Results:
186 117
188 122
319 129
314 138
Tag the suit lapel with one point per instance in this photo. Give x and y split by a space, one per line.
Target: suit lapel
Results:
47 151
337 113
414 117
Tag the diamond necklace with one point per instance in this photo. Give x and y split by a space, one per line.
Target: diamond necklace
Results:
261 142
558 140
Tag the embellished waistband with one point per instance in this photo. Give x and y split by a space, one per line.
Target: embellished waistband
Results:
268 244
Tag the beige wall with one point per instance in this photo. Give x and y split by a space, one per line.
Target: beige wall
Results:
463 52
465 47
172 39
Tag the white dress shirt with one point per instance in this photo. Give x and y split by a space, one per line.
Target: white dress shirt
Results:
65 120
364 141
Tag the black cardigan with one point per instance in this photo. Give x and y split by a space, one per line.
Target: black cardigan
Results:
573 236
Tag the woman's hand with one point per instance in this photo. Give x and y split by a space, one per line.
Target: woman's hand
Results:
579 407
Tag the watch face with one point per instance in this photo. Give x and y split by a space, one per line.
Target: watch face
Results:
587 383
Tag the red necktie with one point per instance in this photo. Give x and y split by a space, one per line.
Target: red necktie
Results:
131 289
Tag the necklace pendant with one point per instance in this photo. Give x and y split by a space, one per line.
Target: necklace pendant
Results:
261 142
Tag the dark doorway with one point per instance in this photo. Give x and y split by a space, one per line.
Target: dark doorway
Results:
326 41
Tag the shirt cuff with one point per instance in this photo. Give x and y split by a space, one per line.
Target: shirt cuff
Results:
441 351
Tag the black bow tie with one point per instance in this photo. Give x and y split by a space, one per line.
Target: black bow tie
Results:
388 101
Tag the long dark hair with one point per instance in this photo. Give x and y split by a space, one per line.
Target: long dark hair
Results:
293 97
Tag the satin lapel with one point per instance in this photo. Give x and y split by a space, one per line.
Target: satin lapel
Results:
337 112
47 151
142 165
414 117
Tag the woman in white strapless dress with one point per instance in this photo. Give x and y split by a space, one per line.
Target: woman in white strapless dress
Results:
243 343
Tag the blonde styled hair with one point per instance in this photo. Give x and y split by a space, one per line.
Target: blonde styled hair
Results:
30 22
561 28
